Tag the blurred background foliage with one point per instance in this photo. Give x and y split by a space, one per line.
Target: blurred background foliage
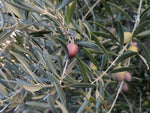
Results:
33 53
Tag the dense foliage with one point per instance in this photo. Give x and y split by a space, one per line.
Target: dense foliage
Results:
37 75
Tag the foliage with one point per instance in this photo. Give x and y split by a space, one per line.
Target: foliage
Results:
36 73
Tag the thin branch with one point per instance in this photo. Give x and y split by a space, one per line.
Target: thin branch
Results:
119 90
129 104
111 64
138 16
63 75
91 9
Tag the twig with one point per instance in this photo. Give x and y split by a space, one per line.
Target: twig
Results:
91 9
62 25
119 90
64 71
111 64
138 16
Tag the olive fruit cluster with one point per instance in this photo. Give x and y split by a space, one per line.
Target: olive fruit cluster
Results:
124 75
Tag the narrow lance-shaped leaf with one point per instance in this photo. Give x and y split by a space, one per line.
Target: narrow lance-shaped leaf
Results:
49 62
91 57
105 29
99 93
84 69
143 34
123 69
60 93
6 35
84 105
11 9
121 10
143 14
106 5
87 26
121 33
145 50
63 45
60 63
51 104
91 45
126 55
25 64
32 88
103 62
102 34
25 6
140 27
82 85
100 44
64 3
131 4
70 10
37 104
62 107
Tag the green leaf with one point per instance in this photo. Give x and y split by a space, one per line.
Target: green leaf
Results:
143 14
32 88
81 85
140 27
25 65
100 44
3 90
38 104
103 62
80 26
51 104
121 10
12 9
120 33
22 49
131 4
107 7
84 69
83 106
89 45
63 45
99 92
64 3
123 69
70 10
62 107
105 29
145 61
60 63
60 93
102 34
91 57
87 26
49 62
25 6
12 67
126 55
145 49
6 35
143 34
